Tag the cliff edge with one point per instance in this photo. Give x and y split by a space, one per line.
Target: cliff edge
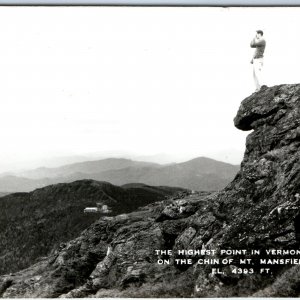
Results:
259 209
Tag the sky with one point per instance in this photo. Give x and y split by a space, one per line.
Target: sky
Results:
160 82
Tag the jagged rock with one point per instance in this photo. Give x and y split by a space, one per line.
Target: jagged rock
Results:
183 241
5 282
176 210
259 209
170 212
269 176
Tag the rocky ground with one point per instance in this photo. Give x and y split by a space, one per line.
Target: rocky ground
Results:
115 256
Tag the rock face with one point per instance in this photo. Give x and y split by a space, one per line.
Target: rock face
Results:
259 209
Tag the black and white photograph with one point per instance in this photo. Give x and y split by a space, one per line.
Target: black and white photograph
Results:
149 152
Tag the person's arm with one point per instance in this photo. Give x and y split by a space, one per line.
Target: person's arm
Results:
257 43
252 44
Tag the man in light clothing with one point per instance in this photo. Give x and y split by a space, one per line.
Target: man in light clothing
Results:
258 61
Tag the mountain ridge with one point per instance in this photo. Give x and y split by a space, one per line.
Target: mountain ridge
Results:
198 174
84 167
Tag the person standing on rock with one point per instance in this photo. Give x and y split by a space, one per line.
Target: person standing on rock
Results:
258 58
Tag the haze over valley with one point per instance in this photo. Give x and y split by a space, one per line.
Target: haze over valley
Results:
201 174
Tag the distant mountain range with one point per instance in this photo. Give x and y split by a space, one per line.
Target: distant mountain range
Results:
203 174
34 223
86 167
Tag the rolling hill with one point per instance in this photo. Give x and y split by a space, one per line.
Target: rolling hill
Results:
34 223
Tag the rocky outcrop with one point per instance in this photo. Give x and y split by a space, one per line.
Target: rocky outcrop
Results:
259 209
261 206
